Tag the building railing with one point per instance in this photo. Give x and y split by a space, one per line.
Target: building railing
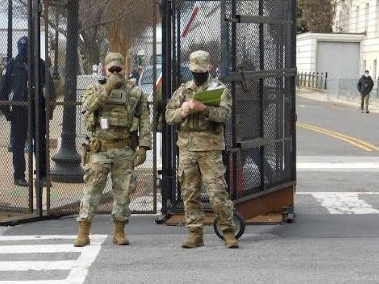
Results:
315 80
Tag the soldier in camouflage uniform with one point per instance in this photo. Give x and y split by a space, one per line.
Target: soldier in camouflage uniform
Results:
115 110
201 142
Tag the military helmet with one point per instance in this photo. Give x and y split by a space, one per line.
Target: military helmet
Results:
115 60
199 61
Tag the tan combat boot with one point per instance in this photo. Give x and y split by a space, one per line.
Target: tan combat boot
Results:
194 239
230 239
119 237
83 234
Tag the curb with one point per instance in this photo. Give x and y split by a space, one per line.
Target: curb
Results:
352 101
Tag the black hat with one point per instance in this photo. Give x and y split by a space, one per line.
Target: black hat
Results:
22 46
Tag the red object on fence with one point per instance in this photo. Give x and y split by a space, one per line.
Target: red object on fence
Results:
195 10
240 179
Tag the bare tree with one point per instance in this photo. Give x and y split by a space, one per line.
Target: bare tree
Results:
113 25
317 15
103 24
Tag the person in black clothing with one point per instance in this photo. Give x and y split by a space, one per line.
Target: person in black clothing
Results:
13 87
365 85
136 74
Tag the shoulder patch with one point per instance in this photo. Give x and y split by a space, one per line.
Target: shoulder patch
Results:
7 66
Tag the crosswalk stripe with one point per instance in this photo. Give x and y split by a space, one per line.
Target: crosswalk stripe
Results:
78 268
366 166
337 163
17 249
80 271
343 202
363 165
94 237
39 282
36 265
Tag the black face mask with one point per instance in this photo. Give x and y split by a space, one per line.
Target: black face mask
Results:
200 78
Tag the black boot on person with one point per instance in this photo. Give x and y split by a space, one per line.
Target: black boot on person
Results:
21 182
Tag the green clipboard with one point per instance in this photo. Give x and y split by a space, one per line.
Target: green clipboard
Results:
210 97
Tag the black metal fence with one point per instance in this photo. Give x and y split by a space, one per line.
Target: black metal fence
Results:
252 47
72 37
315 80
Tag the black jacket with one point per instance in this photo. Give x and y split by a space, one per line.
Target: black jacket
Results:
14 81
365 85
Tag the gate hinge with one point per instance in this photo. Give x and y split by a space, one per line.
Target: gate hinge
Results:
233 18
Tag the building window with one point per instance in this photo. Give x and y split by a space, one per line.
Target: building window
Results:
357 19
349 12
366 17
374 69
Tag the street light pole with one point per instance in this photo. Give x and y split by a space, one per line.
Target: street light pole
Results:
10 29
55 74
67 160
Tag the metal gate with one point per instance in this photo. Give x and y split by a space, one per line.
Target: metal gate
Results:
72 37
252 45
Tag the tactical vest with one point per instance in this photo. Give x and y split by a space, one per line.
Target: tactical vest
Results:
120 109
117 109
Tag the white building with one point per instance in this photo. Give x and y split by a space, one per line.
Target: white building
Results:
337 54
361 16
351 49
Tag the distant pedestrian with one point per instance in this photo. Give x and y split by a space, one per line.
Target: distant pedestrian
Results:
136 74
365 85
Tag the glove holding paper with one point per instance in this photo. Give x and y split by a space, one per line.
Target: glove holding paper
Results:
203 99
192 106
211 96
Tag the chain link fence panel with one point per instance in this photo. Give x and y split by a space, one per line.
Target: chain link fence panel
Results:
74 39
252 48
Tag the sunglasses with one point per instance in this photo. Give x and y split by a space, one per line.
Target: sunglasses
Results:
113 69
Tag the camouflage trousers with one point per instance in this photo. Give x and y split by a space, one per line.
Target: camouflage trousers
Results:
119 163
204 168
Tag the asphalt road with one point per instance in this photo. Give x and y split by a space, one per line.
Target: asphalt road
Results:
334 239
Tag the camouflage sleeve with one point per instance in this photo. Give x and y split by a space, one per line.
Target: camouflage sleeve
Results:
94 97
173 108
144 122
221 113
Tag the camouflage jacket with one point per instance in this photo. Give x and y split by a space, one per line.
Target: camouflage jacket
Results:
123 117
199 131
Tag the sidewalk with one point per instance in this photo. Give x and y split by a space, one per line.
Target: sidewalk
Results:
312 94
351 101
